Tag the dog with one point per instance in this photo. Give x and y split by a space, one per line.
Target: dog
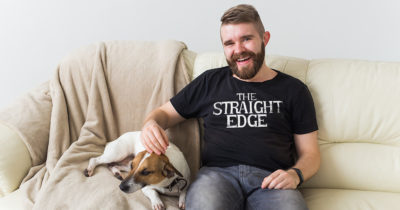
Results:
166 173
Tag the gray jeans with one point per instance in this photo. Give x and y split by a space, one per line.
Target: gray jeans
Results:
238 187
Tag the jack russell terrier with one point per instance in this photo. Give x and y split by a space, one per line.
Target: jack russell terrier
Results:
168 174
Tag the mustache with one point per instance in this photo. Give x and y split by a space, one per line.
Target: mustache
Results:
244 54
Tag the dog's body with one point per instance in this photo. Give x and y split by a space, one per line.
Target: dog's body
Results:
168 174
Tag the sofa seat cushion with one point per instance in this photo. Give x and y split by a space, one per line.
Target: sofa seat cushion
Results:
334 199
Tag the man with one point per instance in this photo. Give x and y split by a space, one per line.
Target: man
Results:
256 120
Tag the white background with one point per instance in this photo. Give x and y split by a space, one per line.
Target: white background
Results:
35 35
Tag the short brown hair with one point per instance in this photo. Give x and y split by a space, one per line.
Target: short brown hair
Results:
243 13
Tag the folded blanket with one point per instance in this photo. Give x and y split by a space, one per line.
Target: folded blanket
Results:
98 93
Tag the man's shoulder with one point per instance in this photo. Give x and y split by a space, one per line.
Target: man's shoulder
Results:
291 80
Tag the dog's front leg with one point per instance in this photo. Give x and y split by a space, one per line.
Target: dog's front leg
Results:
182 198
152 194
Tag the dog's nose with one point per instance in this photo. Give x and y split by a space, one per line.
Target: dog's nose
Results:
124 187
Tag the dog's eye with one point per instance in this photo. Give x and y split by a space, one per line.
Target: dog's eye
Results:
145 172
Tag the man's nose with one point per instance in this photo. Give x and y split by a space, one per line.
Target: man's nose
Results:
239 48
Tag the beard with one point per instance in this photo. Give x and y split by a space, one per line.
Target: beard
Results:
247 72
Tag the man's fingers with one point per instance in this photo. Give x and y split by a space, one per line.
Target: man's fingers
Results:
165 138
155 149
281 184
154 138
267 180
144 142
264 184
154 145
273 179
161 138
275 182
288 187
148 143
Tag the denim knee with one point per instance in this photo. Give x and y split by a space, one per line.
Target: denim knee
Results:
276 200
213 190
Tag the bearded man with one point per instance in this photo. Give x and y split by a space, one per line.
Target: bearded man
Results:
260 129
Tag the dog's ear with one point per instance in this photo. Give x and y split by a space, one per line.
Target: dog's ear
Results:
169 171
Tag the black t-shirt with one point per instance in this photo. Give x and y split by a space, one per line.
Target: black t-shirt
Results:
248 123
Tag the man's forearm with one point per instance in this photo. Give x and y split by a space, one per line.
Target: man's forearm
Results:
159 116
165 116
308 164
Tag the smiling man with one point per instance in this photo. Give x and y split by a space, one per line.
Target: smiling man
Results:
260 137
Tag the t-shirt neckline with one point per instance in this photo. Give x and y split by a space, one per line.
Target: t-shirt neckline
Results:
275 78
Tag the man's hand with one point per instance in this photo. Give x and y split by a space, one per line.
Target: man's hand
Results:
154 138
281 179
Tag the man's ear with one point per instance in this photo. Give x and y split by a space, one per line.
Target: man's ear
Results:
266 38
169 171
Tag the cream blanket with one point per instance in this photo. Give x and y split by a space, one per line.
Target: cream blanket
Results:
98 93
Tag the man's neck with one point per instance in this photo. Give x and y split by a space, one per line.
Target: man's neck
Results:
264 74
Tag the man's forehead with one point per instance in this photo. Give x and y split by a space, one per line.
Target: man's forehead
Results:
238 30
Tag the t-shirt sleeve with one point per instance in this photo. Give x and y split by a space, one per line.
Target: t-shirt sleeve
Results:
191 99
303 116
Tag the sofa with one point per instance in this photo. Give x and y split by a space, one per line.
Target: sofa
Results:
359 133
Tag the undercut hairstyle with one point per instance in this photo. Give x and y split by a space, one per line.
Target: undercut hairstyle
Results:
243 13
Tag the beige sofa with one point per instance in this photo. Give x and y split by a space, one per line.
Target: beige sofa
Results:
359 132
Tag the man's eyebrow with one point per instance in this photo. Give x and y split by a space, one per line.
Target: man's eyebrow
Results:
247 36
228 42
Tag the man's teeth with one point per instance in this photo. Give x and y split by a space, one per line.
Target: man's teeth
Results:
243 59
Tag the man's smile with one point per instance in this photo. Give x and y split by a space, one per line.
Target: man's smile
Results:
243 61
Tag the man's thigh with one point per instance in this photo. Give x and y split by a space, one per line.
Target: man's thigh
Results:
259 198
215 188
276 200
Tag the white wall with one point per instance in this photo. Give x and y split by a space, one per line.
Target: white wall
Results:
35 35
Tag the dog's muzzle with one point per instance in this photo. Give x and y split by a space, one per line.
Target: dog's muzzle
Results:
130 187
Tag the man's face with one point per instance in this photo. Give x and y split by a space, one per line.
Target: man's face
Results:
244 49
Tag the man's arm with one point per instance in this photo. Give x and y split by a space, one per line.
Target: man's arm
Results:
308 162
153 135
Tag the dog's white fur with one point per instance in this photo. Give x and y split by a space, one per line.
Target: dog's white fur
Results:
128 144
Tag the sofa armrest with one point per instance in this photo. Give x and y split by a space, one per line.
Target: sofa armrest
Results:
15 160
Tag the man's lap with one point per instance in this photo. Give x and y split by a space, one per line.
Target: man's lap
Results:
214 189
237 187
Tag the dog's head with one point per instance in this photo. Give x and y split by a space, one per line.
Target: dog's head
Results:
149 169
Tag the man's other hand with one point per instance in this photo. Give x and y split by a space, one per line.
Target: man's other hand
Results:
281 179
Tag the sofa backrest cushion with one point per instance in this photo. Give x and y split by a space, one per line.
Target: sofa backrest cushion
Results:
359 127
357 100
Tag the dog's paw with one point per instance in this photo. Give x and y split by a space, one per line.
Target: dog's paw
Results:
119 176
158 206
182 199
87 173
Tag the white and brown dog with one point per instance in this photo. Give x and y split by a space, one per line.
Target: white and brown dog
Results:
168 174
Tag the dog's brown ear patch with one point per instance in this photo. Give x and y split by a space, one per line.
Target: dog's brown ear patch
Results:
137 159
169 171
